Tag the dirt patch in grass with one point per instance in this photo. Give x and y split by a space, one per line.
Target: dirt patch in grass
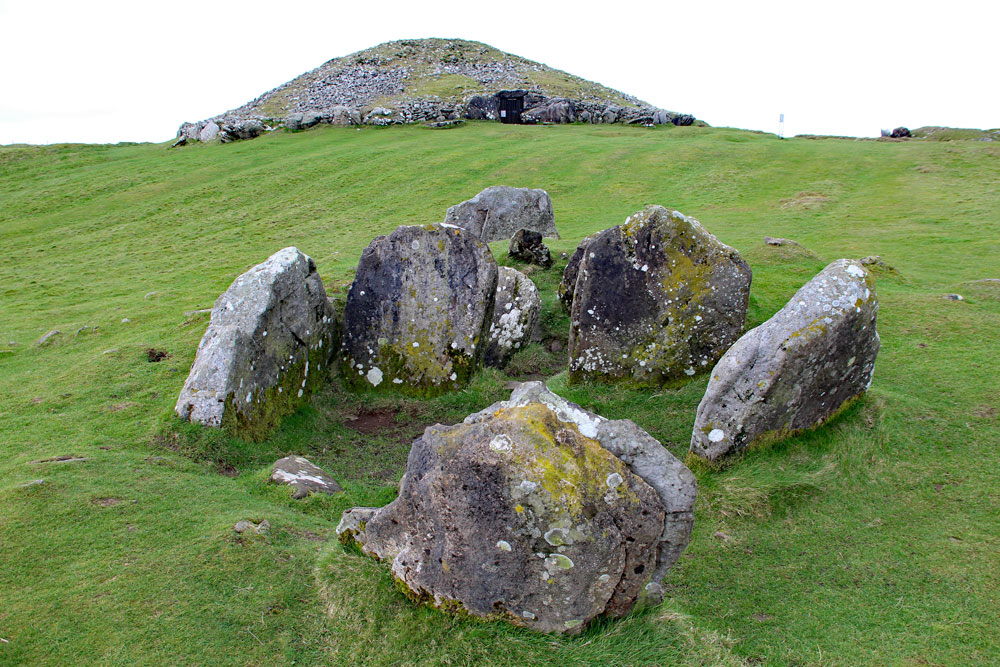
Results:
109 501
805 200
985 412
154 355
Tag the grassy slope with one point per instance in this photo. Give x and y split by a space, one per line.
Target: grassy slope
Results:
871 541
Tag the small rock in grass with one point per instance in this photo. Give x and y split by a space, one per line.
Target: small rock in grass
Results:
777 241
303 476
47 338
954 297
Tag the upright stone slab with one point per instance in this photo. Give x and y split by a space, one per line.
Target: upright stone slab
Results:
657 299
568 283
496 213
418 314
515 316
535 511
267 347
796 370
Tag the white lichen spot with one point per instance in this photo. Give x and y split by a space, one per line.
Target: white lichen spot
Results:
362 293
416 344
527 486
397 381
375 376
249 396
501 443
415 245
856 271
300 393
528 615
454 376
604 578
716 435
614 480
503 545
555 537
645 268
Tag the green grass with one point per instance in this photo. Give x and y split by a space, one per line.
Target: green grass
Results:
873 540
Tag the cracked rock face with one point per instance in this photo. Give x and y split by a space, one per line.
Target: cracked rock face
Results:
268 344
303 476
499 211
418 314
515 316
797 369
533 510
657 299
527 246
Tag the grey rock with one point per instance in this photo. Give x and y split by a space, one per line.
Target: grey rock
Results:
418 313
657 300
661 117
796 370
240 130
559 110
341 115
303 476
515 315
526 245
263 528
777 241
522 512
499 211
180 142
293 121
190 131
877 264
901 133
243 526
268 345
379 116
209 132
683 120
311 118
954 297
48 338
568 283
610 116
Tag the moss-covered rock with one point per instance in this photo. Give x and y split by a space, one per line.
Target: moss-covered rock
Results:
795 371
656 300
418 313
269 343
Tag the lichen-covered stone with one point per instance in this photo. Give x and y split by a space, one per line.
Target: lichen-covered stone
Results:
304 476
568 283
268 344
515 316
526 245
418 314
657 300
796 370
497 212
533 510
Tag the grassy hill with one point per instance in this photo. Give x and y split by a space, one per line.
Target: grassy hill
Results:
875 540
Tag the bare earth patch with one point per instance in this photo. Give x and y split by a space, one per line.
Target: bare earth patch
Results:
805 200
106 502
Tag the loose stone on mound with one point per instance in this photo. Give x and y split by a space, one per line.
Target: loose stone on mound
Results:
418 314
656 300
515 316
497 212
525 512
796 370
304 476
268 344
527 246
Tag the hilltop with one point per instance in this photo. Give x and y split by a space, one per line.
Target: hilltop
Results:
414 80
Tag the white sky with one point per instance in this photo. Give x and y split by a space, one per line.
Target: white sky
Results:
133 71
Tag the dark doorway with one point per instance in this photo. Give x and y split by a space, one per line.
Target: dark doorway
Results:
510 105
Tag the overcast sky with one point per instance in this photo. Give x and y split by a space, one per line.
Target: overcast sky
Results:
133 71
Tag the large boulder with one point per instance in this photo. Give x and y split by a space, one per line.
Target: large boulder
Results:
515 315
559 110
499 211
418 314
209 132
527 246
657 300
533 510
344 115
241 129
568 283
796 370
190 131
268 344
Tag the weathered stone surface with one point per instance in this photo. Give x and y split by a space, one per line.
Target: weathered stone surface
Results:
901 133
47 338
190 131
683 120
238 130
796 370
499 211
293 121
778 241
523 512
568 283
209 132
343 115
515 316
526 245
657 299
559 110
418 314
380 116
268 344
304 476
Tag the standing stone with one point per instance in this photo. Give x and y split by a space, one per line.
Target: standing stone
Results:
419 311
795 371
527 246
533 510
303 476
515 316
497 212
657 300
268 344
567 285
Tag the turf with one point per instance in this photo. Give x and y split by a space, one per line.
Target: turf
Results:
873 540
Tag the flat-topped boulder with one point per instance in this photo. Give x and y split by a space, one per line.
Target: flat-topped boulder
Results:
534 511
499 211
418 314
656 300
268 344
795 371
515 315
